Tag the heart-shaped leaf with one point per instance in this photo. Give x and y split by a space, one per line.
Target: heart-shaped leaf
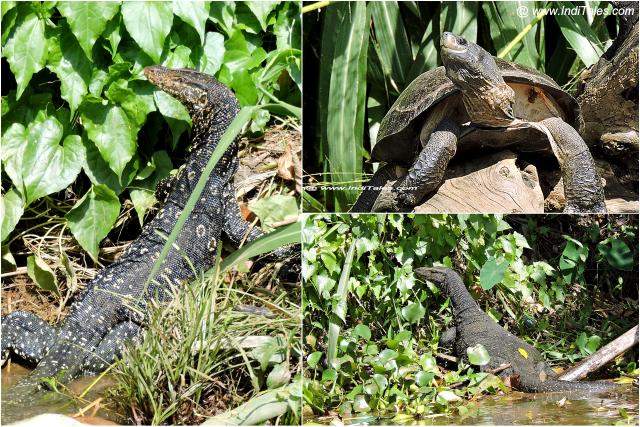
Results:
92 217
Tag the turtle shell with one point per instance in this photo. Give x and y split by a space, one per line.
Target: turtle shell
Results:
399 130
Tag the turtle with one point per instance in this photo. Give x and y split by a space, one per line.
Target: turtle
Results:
474 103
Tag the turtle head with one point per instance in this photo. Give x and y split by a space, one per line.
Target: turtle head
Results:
200 93
473 70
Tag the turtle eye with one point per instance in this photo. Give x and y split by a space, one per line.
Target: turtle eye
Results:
202 100
462 42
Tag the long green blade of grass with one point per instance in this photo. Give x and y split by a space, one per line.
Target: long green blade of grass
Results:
521 35
427 56
505 23
579 35
346 100
460 18
287 235
227 139
332 15
340 309
395 51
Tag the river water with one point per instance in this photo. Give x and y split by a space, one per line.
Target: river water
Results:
523 408
90 409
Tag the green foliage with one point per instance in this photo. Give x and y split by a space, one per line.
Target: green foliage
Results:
382 356
93 216
202 348
80 104
41 274
373 50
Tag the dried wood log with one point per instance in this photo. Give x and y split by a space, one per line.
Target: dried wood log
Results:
489 184
602 356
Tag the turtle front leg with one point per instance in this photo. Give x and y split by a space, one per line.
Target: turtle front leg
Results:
377 187
582 185
428 170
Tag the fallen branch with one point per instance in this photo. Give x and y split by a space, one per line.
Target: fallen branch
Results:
500 368
447 357
602 356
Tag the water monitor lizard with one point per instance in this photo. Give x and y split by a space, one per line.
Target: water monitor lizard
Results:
111 309
473 326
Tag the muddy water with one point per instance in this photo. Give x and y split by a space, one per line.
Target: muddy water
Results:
523 408
86 409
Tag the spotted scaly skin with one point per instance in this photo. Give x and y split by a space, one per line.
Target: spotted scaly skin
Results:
473 326
111 310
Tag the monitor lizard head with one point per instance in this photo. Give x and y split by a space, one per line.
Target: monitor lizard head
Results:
200 93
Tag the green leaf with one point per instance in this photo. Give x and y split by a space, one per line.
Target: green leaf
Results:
88 20
492 273
135 98
223 14
329 375
143 189
460 19
69 63
148 23
42 166
179 58
340 308
99 171
346 95
362 331
244 88
8 262
478 355
262 9
395 52
360 404
239 57
112 131
427 55
276 209
424 379
447 396
26 51
413 312
313 359
92 217
283 236
381 381
194 13
174 113
287 27
579 34
12 210
506 25
113 34
324 285
279 376
42 274
617 253
213 56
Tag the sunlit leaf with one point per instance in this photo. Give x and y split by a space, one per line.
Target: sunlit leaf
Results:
88 20
42 274
149 23
26 50
92 217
